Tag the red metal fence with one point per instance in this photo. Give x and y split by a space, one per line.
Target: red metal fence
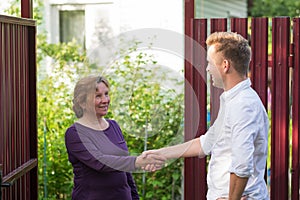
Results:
284 86
18 131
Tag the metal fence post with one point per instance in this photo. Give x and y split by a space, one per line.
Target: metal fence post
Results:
0 181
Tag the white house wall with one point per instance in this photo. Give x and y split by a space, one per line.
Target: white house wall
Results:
123 15
220 8
165 14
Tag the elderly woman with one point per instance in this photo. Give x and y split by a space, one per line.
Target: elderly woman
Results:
97 149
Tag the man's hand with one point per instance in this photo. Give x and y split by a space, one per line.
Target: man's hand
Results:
150 162
150 153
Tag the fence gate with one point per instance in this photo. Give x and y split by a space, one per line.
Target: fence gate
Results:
18 131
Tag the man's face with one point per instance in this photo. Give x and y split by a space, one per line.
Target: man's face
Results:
214 67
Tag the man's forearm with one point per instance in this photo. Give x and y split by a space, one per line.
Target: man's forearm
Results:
188 149
237 186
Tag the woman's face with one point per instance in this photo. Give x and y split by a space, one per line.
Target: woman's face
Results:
101 100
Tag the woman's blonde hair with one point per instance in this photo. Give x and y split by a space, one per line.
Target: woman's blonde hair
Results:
83 88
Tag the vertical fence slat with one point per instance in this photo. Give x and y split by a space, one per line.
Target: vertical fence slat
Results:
8 110
24 92
200 88
13 106
31 99
18 108
295 111
240 25
23 108
216 25
3 100
280 108
2 136
0 175
189 165
189 188
259 61
2 54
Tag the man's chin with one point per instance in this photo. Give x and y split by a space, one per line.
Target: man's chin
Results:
219 86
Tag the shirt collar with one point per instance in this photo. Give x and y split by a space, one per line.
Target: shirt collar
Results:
229 94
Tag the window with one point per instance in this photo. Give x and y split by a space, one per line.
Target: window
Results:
72 26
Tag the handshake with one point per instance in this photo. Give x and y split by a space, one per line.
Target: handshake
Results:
151 160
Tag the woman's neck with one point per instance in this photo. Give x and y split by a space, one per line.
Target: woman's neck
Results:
98 123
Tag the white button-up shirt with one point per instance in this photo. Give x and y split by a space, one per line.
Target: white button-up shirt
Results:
238 143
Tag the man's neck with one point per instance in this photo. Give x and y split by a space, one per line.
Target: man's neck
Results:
232 81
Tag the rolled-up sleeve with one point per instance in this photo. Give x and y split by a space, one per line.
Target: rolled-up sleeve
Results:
207 141
244 130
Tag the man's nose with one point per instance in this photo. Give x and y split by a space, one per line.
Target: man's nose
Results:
207 68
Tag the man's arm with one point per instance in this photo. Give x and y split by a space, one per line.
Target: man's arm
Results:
237 186
188 149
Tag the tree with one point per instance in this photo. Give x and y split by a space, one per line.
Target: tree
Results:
272 8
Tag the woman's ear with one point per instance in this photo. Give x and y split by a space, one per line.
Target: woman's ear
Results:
83 105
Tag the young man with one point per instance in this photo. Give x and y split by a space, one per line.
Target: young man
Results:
238 139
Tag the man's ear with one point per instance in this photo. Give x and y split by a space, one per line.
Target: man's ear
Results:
226 66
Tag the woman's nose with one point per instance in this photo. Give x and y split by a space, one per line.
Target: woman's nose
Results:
105 99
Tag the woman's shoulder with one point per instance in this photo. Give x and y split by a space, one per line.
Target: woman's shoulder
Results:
71 130
112 122
114 125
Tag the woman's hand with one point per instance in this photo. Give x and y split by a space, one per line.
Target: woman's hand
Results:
150 162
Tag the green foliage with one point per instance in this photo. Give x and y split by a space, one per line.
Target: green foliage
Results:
150 116
273 8
55 115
